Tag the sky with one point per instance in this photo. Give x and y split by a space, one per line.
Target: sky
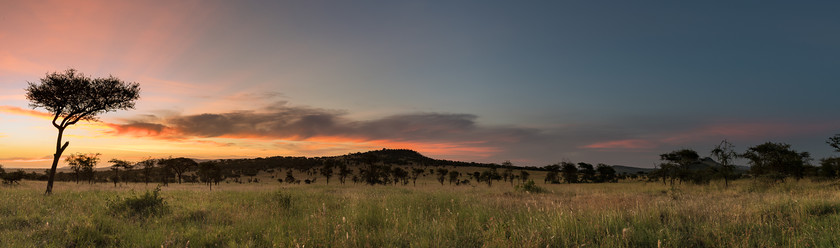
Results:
535 83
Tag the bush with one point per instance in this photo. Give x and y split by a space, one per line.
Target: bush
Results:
144 205
530 187
282 200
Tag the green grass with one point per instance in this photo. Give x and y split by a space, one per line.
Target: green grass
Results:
628 214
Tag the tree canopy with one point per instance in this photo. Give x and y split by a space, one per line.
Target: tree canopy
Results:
72 97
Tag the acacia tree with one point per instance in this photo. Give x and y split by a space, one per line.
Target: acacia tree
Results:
678 163
777 161
587 172
570 172
415 173
343 172
441 173
523 175
327 170
725 153
72 97
178 165
606 173
210 173
147 165
116 165
83 163
834 142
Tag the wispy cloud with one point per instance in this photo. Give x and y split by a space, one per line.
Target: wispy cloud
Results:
26 112
430 132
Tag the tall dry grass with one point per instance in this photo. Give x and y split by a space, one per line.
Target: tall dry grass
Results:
268 214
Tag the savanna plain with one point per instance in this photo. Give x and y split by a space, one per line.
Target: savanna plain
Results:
628 213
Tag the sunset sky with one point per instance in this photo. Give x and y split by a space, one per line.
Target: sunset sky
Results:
615 82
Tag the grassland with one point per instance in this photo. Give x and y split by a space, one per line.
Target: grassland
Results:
268 214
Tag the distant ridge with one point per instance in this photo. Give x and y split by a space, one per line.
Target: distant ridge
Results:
621 169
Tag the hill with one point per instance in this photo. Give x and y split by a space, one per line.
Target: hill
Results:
621 169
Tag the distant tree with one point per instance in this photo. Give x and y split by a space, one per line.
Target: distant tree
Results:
116 165
327 170
489 175
441 173
587 172
290 177
415 173
678 163
375 173
523 175
834 142
453 176
507 174
400 175
606 173
553 175
147 166
72 97
178 165
343 172
13 177
725 154
84 164
2 171
570 172
777 161
830 168
210 173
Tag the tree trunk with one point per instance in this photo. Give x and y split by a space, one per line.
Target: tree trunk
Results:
59 149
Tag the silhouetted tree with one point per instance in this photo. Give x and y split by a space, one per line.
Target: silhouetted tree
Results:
72 97
210 173
523 175
453 176
834 142
678 163
777 161
553 175
489 175
13 177
415 173
178 165
606 173
290 177
84 163
570 172
375 173
148 166
587 172
116 165
725 154
400 174
343 172
441 175
327 170
830 168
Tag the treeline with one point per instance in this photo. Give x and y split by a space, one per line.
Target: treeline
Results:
771 162
384 167
581 173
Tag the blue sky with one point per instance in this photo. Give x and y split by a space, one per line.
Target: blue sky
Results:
611 82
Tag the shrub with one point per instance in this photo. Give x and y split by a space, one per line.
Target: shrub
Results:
530 187
148 204
282 200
